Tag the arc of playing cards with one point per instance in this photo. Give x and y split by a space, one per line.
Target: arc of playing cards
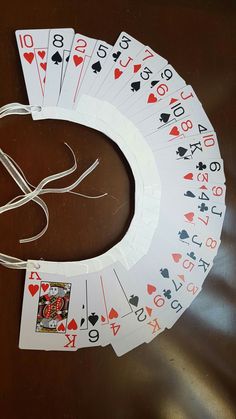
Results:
141 286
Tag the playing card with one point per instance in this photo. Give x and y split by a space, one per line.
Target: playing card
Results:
158 301
134 103
141 315
182 103
204 193
32 46
60 41
81 52
141 286
149 331
204 171
194 147
97 61
124 46
137 72
93 312
116 303
50 311
195 123
206 217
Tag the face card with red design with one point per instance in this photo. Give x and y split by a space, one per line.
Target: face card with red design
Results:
32 46
50 313
81 52
60 41
136 73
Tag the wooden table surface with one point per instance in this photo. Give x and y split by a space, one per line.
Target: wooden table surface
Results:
189 371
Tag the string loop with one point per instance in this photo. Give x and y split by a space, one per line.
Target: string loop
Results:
31 192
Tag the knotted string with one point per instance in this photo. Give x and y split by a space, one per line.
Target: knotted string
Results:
30 192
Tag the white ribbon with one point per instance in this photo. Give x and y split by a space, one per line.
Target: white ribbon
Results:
31 193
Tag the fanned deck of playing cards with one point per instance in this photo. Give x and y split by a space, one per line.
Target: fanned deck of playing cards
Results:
142 285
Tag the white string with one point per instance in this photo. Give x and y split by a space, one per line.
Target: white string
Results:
39 189
18 175
71 192
18 109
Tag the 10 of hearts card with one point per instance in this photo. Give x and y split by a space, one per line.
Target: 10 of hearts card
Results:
141 286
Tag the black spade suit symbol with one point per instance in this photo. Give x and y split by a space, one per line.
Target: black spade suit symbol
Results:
181 151
183 235
189 194
165 117
165 273
93 318
96 67
57 58
135 86
154 82
134 300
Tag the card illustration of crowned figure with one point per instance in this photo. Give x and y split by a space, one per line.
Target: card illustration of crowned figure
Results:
53 306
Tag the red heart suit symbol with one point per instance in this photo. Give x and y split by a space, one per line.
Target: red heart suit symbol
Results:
117 73
44 286
33 289
181 277
44 66
77 60
174 131
61 328
72 325
113 314
152 98
103 319
189 216
189 176
176 257
150 289
41 54
137 67
29 56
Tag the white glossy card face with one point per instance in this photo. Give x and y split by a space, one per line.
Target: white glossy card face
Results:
33 46
140 287
59 46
